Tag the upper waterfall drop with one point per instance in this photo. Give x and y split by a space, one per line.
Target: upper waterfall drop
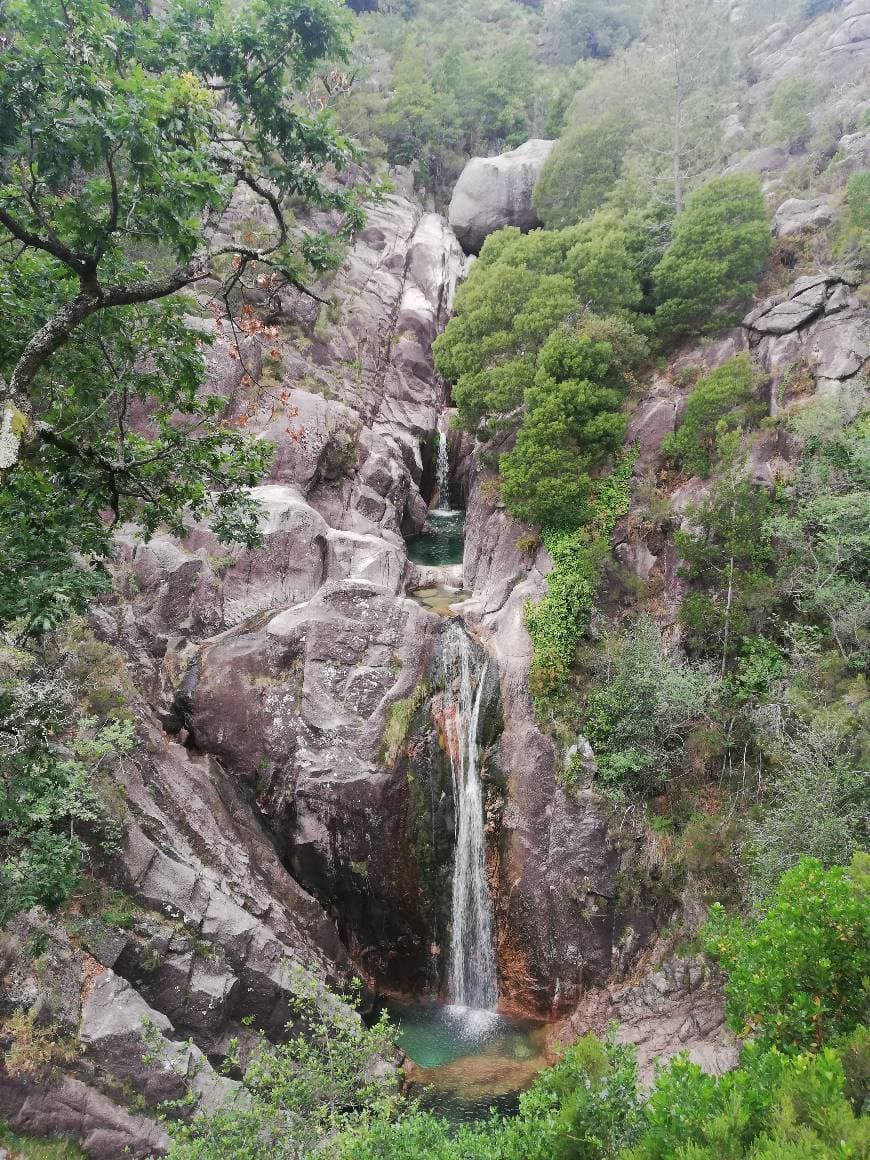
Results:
442 467
473 977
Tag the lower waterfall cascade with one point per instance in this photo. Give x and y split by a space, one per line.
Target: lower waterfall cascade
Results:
472 975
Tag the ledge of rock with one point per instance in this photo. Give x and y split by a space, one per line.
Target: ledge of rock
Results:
493 192
796 214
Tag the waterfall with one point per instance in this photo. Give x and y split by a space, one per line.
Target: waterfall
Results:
442 467
472 953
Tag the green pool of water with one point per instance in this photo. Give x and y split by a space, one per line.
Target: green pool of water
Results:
466 1062
446 543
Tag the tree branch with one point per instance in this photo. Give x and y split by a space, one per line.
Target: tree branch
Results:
57 249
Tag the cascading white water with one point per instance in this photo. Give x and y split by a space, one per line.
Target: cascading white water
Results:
473 980
442 467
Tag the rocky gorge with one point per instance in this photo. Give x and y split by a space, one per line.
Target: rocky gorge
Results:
289 811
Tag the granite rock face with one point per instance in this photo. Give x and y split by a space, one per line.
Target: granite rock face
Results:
797 214
493 192
819 326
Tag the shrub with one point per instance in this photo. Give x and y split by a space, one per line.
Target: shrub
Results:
558 621
815 776
54 813
641 705
790 109
858 199
721 402
773 1107
821 532
712 266
298 1093
36 1049
798 974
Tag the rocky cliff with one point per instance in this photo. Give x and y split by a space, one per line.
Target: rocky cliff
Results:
289 806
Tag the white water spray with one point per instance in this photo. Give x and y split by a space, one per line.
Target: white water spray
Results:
473 979
442 468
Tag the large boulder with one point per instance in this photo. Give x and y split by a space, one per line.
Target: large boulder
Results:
497 191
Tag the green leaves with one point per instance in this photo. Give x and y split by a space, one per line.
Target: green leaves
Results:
723 401
302 1092
52 813
640 708
798 973
711 268
126 133
558 621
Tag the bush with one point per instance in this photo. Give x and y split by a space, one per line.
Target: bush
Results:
53 811
798 974
821 532
513 299
790 109
640 707
721 402
711 268
858 199
773 1107
815 776
558 621
298 1093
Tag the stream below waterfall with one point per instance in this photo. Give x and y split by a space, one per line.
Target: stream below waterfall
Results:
466 1062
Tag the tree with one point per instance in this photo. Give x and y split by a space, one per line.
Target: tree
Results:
711 268
516 295
126 134
572 423
798 973
647 128
582 169
591 28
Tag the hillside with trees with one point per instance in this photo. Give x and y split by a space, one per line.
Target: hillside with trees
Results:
384 623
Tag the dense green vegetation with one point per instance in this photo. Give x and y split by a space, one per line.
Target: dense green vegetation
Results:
730 726
112 181
557 623
797 980
721 403
820 991
434 84
712 266
546 338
